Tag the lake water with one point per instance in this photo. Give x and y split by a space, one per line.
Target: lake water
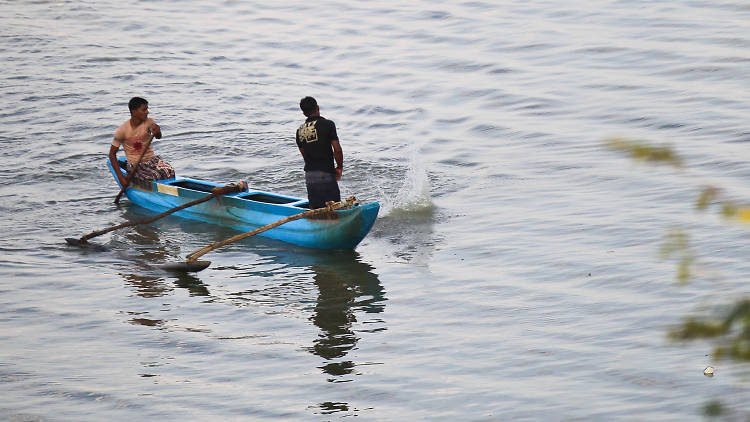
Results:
514 273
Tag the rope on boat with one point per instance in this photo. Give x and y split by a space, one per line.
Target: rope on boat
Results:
330 207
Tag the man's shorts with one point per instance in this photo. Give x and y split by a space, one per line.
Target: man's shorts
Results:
321 188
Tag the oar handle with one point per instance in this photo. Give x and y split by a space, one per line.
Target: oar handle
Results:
132 173
330 206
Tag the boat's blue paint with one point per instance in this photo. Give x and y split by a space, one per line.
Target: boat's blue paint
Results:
243 214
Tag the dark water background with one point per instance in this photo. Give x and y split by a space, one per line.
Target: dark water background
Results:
514 272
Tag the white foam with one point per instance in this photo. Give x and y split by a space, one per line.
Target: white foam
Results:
414 193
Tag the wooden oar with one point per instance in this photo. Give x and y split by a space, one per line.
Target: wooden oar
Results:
83 241
191 262
135 167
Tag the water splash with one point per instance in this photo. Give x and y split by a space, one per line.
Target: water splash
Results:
414 194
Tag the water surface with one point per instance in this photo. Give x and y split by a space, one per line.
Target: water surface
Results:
514 271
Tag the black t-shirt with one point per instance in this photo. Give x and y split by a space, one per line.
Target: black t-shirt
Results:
314 137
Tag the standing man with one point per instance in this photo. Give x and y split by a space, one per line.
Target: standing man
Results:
133 136
319 145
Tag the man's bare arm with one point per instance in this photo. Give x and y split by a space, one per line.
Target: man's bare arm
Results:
113 160
338 155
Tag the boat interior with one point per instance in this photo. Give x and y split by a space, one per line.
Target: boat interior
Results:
257 196
265 197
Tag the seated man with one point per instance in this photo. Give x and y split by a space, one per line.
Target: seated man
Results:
133 135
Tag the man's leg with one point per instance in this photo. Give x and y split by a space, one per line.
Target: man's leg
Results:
321 188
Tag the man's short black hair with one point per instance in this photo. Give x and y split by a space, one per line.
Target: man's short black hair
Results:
308 105
136 102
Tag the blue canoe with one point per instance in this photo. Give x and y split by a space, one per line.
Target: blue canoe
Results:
246 211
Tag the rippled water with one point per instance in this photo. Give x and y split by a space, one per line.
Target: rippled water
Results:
514 272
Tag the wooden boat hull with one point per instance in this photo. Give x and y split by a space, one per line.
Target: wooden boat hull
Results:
245 211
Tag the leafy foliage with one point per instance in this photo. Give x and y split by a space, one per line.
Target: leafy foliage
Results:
733 329
729 329
677 243
643 151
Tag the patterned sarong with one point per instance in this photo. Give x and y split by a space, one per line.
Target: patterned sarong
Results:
153 169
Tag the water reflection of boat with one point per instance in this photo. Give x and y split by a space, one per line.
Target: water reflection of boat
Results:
347 305
348 292
346 287
147 280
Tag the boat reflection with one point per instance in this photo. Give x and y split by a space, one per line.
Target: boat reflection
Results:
348 289
349 293
350 299
145 248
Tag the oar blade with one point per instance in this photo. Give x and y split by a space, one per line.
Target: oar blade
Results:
185 267
72 241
